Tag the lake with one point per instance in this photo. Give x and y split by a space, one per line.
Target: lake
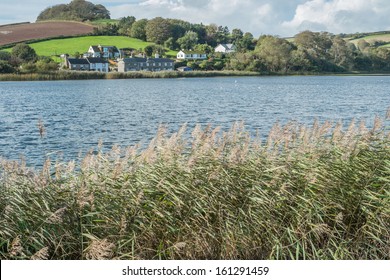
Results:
77 114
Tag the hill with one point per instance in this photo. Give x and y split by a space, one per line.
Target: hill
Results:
11 34
80 45
379 38
79 10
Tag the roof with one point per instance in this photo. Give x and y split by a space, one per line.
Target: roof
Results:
160 59
95 48
77 61
96 60
191 52
227 46
142 59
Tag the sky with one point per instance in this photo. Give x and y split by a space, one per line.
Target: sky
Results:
284 18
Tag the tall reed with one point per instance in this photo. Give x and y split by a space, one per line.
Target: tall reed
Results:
306 192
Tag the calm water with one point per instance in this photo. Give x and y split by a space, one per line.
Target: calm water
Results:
77 114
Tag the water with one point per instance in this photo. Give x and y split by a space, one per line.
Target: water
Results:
77 114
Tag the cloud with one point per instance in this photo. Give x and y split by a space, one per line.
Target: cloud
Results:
340 16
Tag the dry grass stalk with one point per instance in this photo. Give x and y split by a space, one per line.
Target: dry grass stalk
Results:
42 254
99 250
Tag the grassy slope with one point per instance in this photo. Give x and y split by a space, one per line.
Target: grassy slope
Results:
81 44
373 38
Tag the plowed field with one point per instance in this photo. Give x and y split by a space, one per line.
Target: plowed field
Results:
24 32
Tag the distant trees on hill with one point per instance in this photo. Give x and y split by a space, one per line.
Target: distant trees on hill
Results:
78 10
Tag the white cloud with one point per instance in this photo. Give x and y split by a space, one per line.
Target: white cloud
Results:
340 16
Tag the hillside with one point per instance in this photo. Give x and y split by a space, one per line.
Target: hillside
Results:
10 34
375 37
80 45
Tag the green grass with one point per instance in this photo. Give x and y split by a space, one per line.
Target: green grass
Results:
105 21
70 46
317 192
373 38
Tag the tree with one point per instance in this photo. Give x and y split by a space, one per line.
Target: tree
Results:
188 41
211 34
203 48
245 43
138 29
317 44
80 10
148 50
24 52
125 24
5 56
237 35
158 30
274 52
341 54
5 67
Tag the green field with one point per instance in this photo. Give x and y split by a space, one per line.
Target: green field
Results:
373 38
81 45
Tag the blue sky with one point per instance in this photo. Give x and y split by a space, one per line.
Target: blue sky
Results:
277 17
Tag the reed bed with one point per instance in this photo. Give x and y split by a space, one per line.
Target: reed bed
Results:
88 75
306 192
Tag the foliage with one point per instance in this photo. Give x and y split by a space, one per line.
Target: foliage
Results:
24 53
138 29
78 10
125 24
5 67
158 30
315 193
188 41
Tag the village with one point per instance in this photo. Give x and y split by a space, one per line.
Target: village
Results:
109 58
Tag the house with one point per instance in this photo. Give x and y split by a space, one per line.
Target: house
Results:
97 64
103 52
191 55
79 64
145 64
87 64
225 48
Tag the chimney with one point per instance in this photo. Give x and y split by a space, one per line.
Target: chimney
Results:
156 55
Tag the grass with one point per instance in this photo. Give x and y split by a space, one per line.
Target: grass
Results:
317 192
373 38
81 45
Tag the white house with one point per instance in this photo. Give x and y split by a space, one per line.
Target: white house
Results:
225 48
97 64
191 55
103 51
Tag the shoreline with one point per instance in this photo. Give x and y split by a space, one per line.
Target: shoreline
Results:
78 75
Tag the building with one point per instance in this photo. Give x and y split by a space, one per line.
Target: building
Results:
108 52
225 48
191 55
78 64
145 64
98 64
87 64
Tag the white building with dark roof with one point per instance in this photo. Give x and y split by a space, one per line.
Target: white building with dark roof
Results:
109 52
98 64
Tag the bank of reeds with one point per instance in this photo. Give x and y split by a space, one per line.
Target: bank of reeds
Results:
86 75
317 192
